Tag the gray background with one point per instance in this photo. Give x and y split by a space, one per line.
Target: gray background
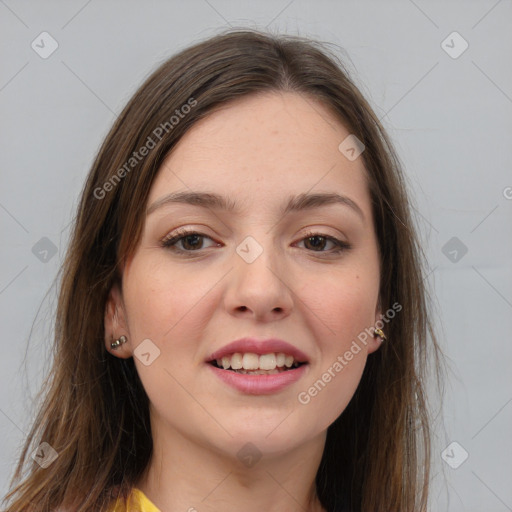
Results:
450 119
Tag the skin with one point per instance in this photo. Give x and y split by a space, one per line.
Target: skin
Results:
257 150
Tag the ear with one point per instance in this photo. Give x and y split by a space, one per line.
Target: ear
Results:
375 341
116 324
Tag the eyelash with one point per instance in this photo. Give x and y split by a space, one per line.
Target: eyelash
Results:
169 242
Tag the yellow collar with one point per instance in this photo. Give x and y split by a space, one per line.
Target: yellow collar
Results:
137 502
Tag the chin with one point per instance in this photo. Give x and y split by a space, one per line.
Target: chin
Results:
271 435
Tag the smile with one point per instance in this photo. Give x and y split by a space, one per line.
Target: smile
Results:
255 374
254 364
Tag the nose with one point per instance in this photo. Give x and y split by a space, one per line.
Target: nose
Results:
260 289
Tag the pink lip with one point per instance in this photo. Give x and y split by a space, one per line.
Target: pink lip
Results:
255 346
259 384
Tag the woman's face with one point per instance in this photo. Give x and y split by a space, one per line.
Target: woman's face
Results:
256 272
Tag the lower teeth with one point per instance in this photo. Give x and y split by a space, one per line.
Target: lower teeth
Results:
259 372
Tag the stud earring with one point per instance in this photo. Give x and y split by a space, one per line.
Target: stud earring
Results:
379 332
115 344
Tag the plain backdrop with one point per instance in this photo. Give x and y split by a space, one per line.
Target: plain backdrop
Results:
437 73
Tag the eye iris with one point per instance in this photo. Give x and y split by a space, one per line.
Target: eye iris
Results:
187 237
321 245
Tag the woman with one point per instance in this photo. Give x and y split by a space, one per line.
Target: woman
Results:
242 322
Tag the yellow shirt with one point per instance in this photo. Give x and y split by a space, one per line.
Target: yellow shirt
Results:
137 502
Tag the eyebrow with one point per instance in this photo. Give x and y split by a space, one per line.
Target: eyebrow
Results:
215 201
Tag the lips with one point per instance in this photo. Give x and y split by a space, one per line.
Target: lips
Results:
259 384
259 347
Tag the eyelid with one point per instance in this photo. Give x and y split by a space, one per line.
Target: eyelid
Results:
171 239
181 233
341 245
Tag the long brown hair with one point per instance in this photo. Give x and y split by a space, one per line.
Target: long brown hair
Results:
94 410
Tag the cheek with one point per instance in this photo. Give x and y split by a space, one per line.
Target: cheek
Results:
161 304
344 305
343 311
326 395
168 309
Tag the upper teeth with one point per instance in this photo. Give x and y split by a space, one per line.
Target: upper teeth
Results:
250 361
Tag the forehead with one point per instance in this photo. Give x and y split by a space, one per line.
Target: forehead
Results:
260 149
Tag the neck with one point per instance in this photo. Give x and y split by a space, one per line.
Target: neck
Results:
185 475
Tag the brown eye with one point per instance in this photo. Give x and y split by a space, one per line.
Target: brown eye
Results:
317 242
191 241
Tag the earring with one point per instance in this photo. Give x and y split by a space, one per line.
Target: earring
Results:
114 345
379 332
